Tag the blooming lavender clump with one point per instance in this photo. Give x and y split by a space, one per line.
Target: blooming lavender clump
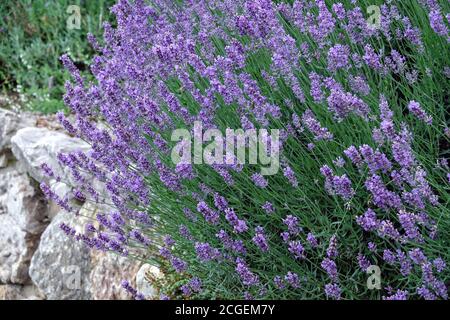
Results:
220 202
279 283
389 256
195 284
382 197
308 68
353 154
372 246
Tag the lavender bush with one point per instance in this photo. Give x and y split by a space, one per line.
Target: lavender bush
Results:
363 112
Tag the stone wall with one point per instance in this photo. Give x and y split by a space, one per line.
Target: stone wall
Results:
37 260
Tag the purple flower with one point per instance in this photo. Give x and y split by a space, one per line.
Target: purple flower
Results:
363 262
47 170
292 223
353 154
417 256
333 291
389 256
399 295
132 291
342 104
195 284
260 239
205 252
210 215
285 236
338 57
248 278
405 263
312 240
268 207
437 23
179 265
259 180
220 202
368 221
310 122
297 249
372 246
290 175
440 264
415 109
293 279
239 226
278 281
339 185
332 251
382 197
330 267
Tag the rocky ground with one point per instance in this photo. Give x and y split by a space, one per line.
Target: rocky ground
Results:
37 261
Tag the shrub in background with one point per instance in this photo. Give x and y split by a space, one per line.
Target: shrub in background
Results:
363 178
33 35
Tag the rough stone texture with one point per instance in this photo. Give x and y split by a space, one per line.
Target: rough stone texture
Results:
22 219
145 278
3 160
108 272
26 204
10 122
61 266
16 250
34 146
10 292
37 260
19 292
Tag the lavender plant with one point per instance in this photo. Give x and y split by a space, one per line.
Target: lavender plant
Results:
363 114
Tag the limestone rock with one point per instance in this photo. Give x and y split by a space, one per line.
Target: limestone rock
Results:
26 204
19 292
107 274
10 292
16 250
146 279
60 268
10 122
34 146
